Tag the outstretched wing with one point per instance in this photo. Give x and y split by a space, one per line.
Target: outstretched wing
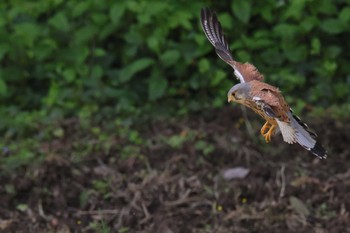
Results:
271 102
212 28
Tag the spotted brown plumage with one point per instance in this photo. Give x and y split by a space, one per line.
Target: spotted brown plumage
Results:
264 99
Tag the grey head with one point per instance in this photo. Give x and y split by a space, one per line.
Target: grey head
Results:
238 92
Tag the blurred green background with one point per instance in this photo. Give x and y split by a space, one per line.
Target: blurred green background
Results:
114 63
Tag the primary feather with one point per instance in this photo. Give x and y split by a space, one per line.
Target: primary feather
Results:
213 31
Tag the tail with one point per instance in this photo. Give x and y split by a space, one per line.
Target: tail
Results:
306 137
212 29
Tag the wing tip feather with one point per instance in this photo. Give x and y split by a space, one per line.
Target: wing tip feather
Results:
214 33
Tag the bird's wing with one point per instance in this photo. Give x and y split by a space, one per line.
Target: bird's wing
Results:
212 28
270 99
293 130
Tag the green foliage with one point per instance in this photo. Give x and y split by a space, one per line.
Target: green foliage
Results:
101 227
100 60
204 147
242 10
100 185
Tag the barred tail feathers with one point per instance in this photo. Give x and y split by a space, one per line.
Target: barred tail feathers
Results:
307 138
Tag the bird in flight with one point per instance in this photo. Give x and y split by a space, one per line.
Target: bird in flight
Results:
262 98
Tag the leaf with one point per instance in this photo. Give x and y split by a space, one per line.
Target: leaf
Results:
80 8
235 173
299 206
59 21
180 18
53 95
99 19
129 71
133 6
226 21
27 32
218 77
309 23
242 10
99 52
4 48
157 85
176 141
332 26
170 57
3 87
58 132
133 37
299 54
69 75
116 12
84 197
285 30
153 43
10 189
315 46
124 230
106 31
341 90
243 55
204 65
45 49
273 56
22 207
85 34
330 66
295 9
333 51
204 146
96 72
344 15
326 7
157 7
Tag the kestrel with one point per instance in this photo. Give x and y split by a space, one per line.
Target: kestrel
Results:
262 98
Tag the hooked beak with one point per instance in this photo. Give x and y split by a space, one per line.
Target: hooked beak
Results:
230 98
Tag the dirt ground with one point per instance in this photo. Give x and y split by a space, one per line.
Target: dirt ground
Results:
205 173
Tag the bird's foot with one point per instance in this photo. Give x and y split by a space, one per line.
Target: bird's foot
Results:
269 133
265 128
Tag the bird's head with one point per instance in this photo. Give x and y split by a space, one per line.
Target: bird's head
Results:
238 93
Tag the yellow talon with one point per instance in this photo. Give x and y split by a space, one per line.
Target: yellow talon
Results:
265 127
269 133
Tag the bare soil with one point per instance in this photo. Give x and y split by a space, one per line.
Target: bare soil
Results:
172 181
